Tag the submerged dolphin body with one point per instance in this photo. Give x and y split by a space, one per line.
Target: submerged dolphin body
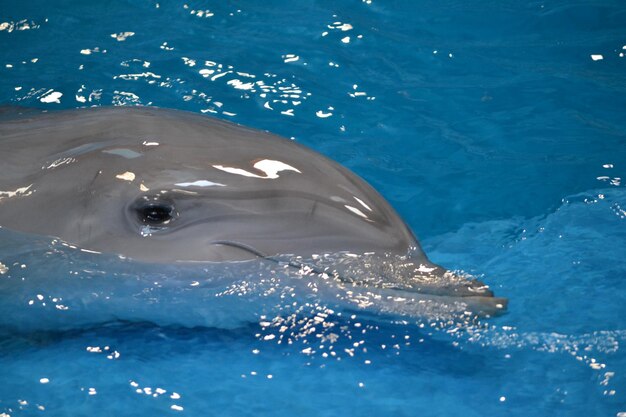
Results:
170 188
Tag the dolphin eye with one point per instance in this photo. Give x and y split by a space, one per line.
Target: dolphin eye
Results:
155 213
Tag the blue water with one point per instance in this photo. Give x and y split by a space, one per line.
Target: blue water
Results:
496 129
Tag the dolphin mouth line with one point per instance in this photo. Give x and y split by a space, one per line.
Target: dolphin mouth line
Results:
258 253
482 292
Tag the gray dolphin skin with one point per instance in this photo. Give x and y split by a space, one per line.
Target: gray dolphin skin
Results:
171 187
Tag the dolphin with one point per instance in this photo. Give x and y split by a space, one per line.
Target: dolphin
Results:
167 187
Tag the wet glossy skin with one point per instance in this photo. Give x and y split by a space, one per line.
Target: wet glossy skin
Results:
85 169
168 186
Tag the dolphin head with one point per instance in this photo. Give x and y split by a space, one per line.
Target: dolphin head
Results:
164 186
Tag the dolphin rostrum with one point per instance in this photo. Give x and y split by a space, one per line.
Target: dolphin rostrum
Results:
170 187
